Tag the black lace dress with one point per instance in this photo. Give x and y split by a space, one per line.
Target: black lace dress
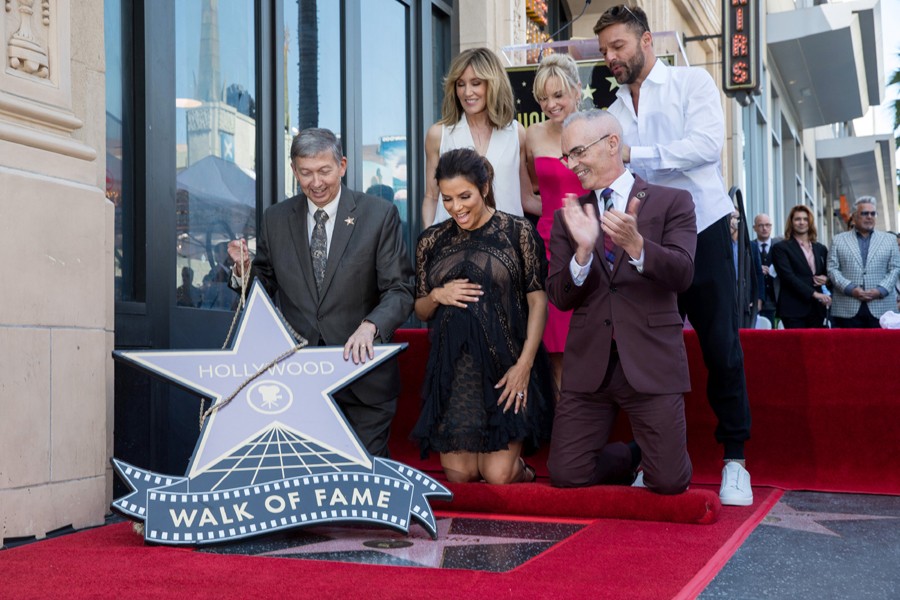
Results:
473 347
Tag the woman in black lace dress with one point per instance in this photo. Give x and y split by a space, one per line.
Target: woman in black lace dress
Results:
480 282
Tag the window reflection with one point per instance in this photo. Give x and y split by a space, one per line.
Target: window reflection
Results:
215 146
312 79
385 107
116 124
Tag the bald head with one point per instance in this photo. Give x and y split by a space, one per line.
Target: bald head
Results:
762 225
591 147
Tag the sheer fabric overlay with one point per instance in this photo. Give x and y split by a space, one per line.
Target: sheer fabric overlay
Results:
473 347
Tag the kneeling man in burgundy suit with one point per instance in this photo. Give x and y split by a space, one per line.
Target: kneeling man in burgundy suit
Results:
619 256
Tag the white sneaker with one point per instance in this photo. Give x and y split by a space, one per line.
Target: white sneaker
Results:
639 480
735 490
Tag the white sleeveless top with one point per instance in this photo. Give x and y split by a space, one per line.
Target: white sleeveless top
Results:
503 153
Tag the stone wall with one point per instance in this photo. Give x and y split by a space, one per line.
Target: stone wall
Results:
56 244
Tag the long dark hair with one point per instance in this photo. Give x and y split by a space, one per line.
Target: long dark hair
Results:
471 166
789 226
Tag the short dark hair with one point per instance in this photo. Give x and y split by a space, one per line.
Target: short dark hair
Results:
634 17
471 166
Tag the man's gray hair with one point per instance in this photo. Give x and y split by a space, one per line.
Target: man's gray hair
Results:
314 141
595 114
864 200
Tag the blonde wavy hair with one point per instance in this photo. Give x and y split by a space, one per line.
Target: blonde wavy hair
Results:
499 99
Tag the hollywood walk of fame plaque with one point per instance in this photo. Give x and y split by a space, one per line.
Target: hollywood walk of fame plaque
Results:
276 452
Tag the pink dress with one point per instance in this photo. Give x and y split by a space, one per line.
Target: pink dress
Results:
555 180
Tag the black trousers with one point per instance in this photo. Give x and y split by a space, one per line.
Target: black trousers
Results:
711 306
862 320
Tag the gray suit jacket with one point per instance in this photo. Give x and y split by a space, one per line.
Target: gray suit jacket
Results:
368 276
845 267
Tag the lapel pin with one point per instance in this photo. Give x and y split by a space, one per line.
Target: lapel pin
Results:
350 220
641 195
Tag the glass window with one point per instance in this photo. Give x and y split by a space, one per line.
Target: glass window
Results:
312 79
385 107
215 146
440 48
119 188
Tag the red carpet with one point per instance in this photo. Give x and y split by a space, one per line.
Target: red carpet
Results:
698 506
608 559
825 404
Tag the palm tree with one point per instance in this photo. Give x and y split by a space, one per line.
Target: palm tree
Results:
308 40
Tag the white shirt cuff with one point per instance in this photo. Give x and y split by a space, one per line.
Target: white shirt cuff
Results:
579 273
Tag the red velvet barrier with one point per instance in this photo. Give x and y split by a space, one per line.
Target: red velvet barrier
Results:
825 404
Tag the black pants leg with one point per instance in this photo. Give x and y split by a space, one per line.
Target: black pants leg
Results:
711 306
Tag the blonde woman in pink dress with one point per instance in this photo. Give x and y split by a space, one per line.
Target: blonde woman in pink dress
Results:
558 91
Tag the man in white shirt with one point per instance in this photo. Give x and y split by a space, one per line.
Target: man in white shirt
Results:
673 132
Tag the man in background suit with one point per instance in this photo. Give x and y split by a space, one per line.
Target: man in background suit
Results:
336 262
863 265
625 346
762 225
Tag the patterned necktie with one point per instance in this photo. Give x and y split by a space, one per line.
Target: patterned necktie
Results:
318 247
609 247
764 252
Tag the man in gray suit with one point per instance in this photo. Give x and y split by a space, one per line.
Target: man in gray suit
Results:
335 261
863 264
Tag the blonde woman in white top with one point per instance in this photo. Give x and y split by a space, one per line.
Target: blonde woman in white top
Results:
479 112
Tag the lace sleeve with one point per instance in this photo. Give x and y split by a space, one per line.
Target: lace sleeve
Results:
424 249
534 258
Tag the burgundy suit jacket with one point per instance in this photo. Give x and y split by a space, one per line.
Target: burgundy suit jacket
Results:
642 308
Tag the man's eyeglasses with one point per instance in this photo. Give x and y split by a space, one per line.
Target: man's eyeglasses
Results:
578 151
615 11
868 213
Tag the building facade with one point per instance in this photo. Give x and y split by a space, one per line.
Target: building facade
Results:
139 136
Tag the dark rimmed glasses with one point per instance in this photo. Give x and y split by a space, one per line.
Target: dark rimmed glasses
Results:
578 151
868 213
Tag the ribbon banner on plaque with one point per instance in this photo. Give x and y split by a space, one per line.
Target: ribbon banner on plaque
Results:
280 453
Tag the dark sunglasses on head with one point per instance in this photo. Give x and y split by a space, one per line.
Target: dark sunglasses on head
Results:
616 11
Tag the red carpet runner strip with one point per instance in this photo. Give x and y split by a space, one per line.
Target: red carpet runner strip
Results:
610 558
696 506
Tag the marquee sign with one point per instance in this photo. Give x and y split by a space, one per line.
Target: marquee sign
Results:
279 454
740 48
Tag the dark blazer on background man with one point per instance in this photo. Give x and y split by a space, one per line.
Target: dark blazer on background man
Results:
771 283
795 298
648 327
368 276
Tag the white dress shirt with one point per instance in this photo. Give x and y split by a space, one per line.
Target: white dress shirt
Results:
676 138
330 210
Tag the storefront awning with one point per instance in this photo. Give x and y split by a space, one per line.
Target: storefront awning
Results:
862 166
829 57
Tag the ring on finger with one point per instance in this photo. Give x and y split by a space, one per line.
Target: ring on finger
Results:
520 394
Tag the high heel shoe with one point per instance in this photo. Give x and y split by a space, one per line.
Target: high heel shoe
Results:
529 475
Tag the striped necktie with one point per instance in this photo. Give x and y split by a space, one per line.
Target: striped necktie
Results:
609 247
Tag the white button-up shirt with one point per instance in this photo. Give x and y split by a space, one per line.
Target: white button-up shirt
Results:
676 138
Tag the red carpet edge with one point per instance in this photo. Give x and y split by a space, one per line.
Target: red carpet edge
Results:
727 550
